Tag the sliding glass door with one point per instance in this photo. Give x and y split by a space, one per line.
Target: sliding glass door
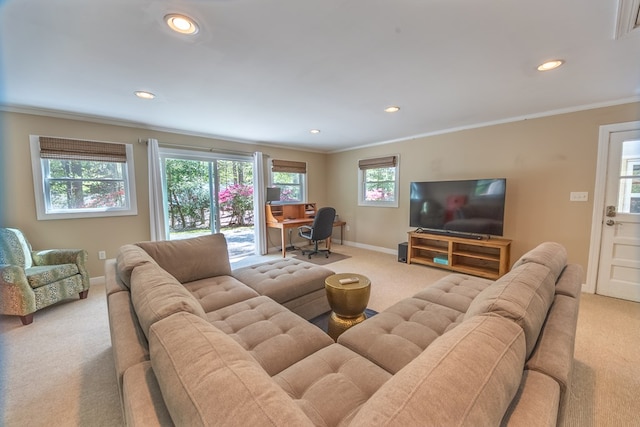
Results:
210 193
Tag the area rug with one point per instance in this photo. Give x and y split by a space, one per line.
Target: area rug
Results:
319 259
322 321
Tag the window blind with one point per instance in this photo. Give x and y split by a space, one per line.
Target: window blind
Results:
75 149
288 166
379 162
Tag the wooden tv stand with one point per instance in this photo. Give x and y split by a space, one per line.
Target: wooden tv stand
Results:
488 257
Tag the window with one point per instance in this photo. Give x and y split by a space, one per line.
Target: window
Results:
289 176
378 181
78 179
629 198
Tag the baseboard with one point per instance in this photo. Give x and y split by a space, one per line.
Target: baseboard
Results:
371 248
100 280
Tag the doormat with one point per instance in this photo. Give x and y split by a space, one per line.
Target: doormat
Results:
322 321
319 259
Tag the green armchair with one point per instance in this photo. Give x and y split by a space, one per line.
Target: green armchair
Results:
31 280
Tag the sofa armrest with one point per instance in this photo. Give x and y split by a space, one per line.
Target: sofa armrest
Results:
142 400
553 355
16 296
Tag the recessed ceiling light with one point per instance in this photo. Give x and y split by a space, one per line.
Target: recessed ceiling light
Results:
314 131
181 24
392 109
144 94
550 65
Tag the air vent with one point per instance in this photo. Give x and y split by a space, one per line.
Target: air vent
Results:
628 18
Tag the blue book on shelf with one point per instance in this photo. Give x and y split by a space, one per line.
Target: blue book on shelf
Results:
441 260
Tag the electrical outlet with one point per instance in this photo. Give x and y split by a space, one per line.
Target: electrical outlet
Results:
347 227
102 255
579 196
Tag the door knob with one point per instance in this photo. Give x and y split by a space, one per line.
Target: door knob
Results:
610 222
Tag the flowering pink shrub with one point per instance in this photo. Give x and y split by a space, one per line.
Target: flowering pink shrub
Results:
236 199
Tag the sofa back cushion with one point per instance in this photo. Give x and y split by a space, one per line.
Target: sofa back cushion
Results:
466 377
523 295
155 294
207 378
191 259
550 254
129 257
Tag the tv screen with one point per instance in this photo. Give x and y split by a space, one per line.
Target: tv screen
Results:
463 207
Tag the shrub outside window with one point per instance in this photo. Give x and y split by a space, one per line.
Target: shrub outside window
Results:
378 181
76 178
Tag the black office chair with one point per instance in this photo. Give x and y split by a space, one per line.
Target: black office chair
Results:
321 229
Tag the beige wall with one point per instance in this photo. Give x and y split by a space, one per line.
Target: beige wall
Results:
108 234
543 160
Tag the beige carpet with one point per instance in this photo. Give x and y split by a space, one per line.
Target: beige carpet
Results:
320 259
59 370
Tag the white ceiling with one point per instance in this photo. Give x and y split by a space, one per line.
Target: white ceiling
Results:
271 70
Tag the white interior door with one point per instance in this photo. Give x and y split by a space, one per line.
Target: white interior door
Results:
619 264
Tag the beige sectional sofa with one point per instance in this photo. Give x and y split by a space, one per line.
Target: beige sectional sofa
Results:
464 351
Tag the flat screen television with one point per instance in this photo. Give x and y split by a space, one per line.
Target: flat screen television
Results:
468 208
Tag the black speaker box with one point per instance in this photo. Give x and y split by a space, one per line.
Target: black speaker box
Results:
402 251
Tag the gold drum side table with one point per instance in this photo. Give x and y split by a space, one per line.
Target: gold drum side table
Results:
348 301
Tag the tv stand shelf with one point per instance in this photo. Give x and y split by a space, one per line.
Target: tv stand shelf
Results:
488 257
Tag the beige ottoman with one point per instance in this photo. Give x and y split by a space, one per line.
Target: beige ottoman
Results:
295 284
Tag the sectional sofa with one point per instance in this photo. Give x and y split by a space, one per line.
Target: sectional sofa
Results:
464 351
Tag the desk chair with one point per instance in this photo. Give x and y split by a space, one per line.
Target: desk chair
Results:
321 229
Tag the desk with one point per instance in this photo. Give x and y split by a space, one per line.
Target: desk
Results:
288 224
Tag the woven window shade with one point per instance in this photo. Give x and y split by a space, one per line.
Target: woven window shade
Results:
73 149
288 166
380 162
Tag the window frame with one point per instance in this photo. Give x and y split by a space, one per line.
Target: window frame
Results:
39 165
361 184
303 184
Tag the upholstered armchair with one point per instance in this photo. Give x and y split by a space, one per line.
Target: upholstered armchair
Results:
31 280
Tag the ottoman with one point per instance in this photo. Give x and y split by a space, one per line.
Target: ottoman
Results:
297 285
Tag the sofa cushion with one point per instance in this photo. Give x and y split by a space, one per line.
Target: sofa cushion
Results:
274 336
207 378
191 259
523 295
216 292
550 254
129 257
396 336
467 377
156 294
332 384
284 279
455 291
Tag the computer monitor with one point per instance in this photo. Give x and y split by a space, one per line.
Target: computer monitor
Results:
273 194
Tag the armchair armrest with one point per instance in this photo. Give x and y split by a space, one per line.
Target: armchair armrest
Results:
64 256
59 256
16 296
